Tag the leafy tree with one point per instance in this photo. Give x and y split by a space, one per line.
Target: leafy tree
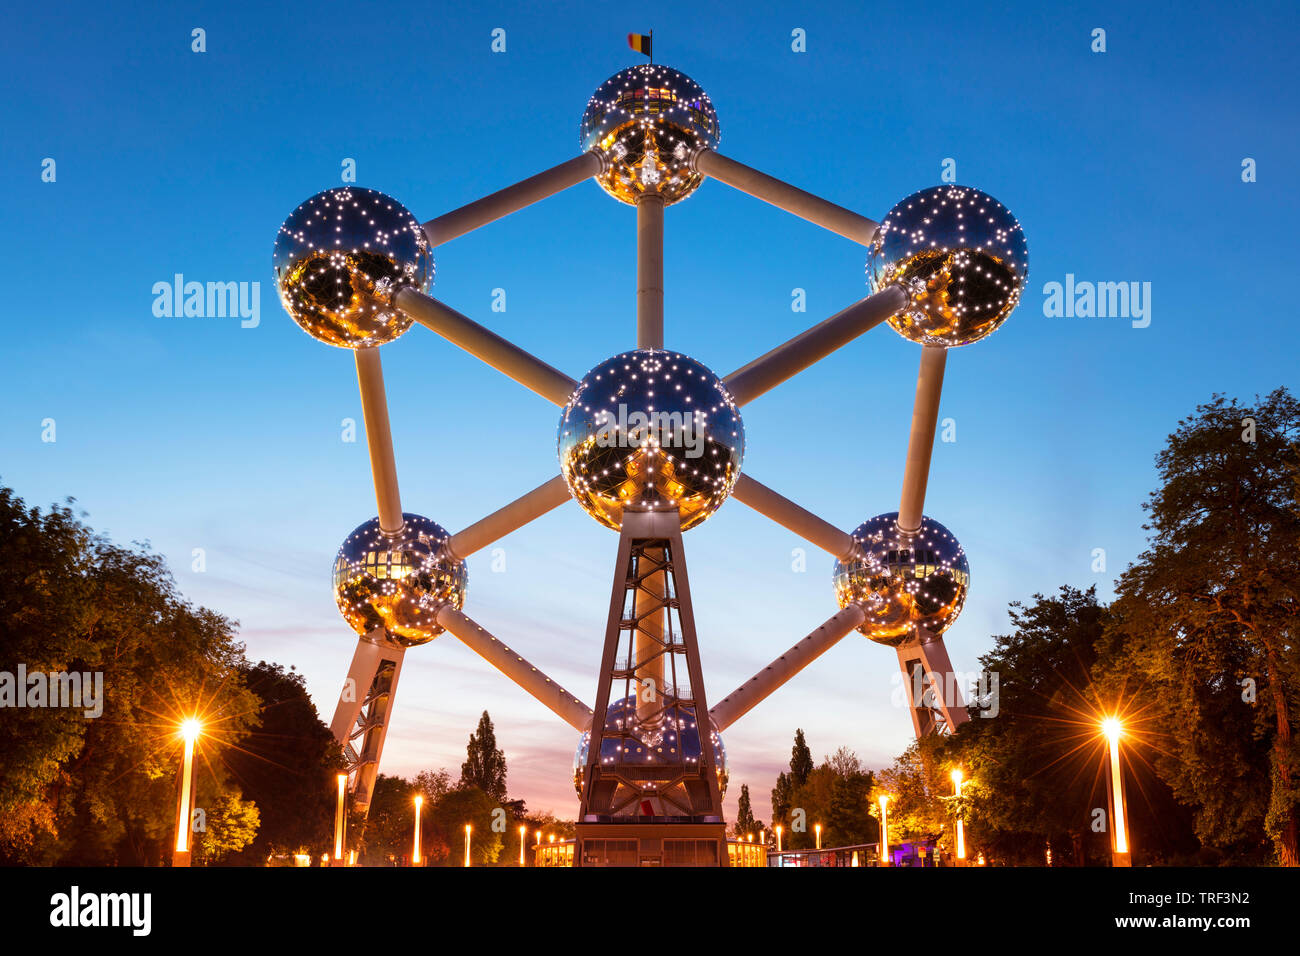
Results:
389 833
782 794
468 805
101 789
801 760
485 764
287 767
231 825
745 821
1208 615
848 814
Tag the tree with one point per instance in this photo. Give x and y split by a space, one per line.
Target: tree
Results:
287 767
1209 614
469 805
231 824
782 794
801 760
485 764
745 821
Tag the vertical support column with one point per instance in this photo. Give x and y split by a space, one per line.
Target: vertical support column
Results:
650 271
379 439
648 645
920 443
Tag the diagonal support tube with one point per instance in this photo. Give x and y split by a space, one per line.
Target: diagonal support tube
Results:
803 204
792 517
759 687
504 356
512 517
503 202
920 442
567 707
770 370
379 438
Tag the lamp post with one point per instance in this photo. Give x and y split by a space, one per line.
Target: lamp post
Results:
779 830
884 829
961 830
340 819
468 829
818 828
1120 854
190 730
415 853
523 838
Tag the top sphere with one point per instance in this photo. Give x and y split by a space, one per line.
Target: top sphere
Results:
341 256
655 428
962 258
647 122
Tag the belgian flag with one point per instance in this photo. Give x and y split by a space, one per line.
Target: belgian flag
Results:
641 43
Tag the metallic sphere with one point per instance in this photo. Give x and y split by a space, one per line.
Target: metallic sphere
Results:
962 258
654 428
912 587
647 122
398 582
672 737
340 257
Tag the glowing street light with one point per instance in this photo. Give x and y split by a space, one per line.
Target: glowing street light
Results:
818 828
779 830
523 838
1120 855
961 831
884 829
340 817
190 730
468 829
415 854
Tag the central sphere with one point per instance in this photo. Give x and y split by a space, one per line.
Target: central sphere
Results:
398 582
910 586
671 737
647 122
340 257
652 428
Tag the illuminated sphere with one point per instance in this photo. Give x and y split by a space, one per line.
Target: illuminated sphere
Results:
910 586
655 428
647 122
671 738
339 259
398 582
962 258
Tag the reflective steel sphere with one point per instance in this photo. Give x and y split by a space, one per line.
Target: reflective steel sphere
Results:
673 738
655 428
341 256
962 258
910 586
398 582
648 121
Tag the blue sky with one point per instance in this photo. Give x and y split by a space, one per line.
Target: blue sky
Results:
197 433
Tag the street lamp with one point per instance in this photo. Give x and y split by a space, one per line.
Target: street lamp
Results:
468 828
415 854
1120 855
884 829
818 827
961 830
340 818
523 838
190 730
779 830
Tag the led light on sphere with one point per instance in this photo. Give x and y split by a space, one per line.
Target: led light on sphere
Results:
962 258
671 737
651 428
910 586
647 122
339 259
398 582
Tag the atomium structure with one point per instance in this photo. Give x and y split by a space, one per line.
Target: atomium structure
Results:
650 444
